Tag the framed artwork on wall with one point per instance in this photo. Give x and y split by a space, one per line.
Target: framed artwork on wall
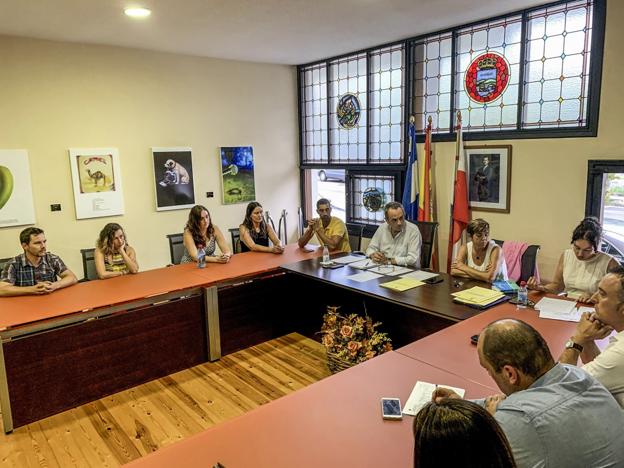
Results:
173 178
237 174
16 196
489 177
96 180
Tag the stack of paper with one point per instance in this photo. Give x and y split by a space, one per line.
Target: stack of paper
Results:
478 296
402 284
363 276
558 309
389 270
506 287
346 260
420 275
421 395
362 264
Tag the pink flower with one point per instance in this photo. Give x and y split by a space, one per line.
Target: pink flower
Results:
346 331
353 346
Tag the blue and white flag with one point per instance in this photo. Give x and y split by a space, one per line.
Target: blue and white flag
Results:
410 189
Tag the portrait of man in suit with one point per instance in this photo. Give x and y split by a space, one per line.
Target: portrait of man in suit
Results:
484 180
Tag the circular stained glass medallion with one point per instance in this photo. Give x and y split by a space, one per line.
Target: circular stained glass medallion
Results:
487 77
373 199
348 111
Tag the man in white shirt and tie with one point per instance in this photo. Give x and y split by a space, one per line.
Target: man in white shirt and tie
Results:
397 241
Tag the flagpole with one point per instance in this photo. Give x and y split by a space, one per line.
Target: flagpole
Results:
450 251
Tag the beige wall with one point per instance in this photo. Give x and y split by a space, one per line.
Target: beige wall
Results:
549 177
58 95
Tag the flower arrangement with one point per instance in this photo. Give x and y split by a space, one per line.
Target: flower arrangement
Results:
352 339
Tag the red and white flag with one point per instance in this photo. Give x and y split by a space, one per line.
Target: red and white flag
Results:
460 213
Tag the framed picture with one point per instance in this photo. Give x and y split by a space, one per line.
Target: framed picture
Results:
237 175
16 197
96 179
173 178
489 177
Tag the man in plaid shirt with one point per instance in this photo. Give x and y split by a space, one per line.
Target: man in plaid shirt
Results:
35 271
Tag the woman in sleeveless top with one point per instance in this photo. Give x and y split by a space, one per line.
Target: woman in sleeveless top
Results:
580 268
481 259
255 233
113 256
199 232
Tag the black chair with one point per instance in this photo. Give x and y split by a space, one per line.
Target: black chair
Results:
176 247
528 262
428 231
88 265
4 261
236 242
355 236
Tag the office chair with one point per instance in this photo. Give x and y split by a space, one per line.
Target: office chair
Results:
176 247
236 242
88 265
4 261
355 236
528 262
428 231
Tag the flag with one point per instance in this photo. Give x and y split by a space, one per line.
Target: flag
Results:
410 190
426 206
460 213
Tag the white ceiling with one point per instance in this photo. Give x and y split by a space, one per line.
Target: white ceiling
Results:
272 31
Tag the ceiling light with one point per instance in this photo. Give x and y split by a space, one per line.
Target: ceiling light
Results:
137 12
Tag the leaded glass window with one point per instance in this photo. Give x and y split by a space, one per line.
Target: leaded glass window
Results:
558 50
347 109
431 58
368 195
487 74
314 112
386 105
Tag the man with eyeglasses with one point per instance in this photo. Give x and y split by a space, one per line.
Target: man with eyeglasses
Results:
396 242
607 366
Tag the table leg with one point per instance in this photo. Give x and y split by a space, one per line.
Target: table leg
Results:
5 402
213 334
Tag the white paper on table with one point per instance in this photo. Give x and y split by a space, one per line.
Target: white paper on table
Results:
582 309
420 275
421 395
573 316
349 259
364 276
390 270
362 264
555 306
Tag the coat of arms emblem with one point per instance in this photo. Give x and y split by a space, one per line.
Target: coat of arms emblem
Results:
487 77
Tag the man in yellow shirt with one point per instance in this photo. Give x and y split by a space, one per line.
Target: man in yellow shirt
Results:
329 230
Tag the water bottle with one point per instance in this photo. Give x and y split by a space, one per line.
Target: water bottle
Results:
326 258
201 257
523 296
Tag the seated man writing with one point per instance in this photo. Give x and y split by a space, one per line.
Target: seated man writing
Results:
396 241
36 270
329 230
552 414
607 366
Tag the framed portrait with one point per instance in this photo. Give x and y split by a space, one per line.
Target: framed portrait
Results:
16 197
237 174
96 180
173 178
489 177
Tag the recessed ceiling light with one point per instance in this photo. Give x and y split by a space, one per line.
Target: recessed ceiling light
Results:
137 12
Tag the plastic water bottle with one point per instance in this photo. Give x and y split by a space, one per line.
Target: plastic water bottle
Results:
523 296
201 258
326 258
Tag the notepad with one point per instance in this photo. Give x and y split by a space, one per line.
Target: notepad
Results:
421 395
478 296
402 284
362 264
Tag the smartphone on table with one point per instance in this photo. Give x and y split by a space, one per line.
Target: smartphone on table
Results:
391 408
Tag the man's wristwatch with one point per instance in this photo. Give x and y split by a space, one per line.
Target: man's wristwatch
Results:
572 345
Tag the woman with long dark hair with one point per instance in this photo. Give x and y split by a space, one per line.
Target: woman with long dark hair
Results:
113 255
456 432
199 233
581 267
255 233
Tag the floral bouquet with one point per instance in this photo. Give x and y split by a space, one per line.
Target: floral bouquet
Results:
351 339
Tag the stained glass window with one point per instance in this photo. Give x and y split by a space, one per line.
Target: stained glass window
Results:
557 66
368 195
314 112
431 58
487 74
386 105
347 109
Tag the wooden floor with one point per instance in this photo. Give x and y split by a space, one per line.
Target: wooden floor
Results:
130 424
